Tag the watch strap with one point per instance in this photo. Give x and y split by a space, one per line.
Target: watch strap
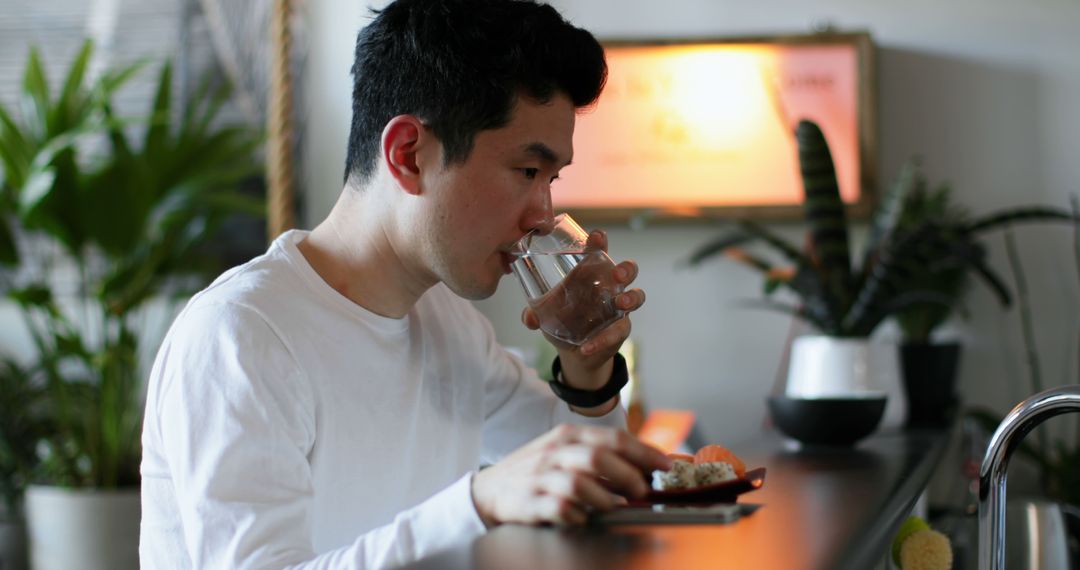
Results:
590 398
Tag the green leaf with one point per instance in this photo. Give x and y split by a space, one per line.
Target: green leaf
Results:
1021 214
158 131
789 251
234 204
824 211
37 187
35 99
115 79
17 148
9 254
32 296
786 309
889 214
992 280
63 115
116 206
718 246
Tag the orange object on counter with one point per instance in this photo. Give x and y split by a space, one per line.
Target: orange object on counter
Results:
712 453
666 430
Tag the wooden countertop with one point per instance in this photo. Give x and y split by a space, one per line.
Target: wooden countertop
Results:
820 509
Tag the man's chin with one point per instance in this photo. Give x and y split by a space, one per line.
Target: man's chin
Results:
475 291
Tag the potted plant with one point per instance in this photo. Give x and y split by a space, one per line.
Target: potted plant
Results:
846 298
99 225
1056 458
930 366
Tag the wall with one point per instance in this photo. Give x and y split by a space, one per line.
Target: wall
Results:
984 90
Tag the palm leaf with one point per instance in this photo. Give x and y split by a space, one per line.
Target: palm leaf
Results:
1020 214
35 97
63 115
9 254
116 78
889 213
789 251
870 319
996 284
158 131
896 259
791 310
15 152
718 246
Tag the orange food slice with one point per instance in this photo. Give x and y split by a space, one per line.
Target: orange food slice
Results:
681 457
712 453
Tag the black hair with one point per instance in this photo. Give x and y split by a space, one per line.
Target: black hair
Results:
459 65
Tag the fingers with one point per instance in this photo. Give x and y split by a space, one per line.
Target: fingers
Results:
645 457
619 474
597 240
626 272
559 509
609 339
529 318
580 488
631 300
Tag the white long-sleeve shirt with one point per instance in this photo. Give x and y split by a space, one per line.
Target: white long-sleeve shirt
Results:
287 426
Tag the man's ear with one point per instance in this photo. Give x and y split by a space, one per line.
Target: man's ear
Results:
402 139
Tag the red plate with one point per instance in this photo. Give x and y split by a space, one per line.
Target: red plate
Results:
726 492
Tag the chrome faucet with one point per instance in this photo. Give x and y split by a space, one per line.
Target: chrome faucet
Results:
1021 420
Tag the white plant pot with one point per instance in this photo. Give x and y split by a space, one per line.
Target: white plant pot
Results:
86 529
830 367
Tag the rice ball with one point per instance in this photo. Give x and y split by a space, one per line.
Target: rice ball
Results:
681 476
713 472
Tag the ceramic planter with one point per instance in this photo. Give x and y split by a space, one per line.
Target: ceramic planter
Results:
12 541
87 529
831 367
930 383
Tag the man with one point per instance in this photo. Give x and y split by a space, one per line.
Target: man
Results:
328 404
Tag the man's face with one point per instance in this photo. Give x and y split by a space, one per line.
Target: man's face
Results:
500 193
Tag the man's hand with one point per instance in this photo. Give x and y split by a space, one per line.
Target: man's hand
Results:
588 367
563 475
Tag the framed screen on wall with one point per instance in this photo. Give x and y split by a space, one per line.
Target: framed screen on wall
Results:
705 128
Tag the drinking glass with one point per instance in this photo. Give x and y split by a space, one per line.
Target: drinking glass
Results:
569 285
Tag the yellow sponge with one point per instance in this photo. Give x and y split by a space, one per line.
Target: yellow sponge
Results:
911 525
926 550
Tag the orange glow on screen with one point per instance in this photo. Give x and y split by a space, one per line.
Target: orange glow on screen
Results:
710 125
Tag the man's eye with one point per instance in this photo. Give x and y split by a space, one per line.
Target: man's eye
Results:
553 179
530 173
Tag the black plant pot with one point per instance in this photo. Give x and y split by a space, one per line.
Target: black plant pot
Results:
930 382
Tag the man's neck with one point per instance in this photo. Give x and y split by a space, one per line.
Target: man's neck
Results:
355 254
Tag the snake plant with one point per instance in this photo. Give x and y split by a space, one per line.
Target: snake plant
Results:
905 257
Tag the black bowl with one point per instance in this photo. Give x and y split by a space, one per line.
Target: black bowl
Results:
827 421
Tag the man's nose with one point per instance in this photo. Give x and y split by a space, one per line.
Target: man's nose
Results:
540 217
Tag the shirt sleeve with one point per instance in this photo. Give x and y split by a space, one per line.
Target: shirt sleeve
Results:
237 422
520 406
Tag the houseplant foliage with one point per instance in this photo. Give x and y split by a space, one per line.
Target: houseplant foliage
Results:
919 251
1057 460
835 297
126 207
930 367
963 233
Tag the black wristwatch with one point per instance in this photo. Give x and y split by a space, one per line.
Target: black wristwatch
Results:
590 398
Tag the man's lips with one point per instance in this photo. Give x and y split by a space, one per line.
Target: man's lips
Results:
506 260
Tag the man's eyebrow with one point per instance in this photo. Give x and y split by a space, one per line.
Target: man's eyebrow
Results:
545 153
